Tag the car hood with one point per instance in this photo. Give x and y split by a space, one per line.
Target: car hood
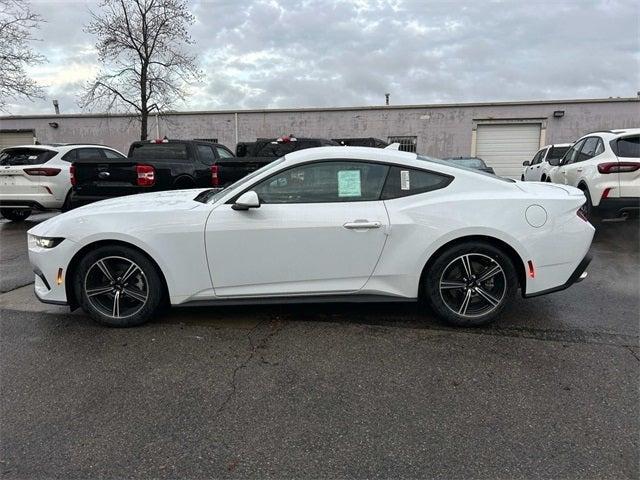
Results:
141 204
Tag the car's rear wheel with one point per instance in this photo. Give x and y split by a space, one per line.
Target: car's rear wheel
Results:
15 214
470 284
587 207
118 286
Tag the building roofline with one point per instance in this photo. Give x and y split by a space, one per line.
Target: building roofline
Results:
335 109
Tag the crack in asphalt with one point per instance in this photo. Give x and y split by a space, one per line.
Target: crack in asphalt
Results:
633 353
276 327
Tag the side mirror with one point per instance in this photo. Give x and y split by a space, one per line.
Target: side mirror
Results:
554 162
525 163
246 201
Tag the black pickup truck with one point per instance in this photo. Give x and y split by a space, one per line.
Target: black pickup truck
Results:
156 165
266 150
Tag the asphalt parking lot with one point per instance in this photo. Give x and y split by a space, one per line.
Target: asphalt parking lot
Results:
326 390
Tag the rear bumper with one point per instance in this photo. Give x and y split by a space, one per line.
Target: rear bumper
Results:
579 274
32 204
618 207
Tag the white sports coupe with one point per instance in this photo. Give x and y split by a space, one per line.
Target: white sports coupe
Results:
324 224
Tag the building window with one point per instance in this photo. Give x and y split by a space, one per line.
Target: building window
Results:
407 144
212 140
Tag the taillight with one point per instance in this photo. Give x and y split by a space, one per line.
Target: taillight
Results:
581 214
215 178
146 175
42 171
72 175
618 167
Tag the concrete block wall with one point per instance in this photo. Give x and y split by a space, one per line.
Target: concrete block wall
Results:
441 130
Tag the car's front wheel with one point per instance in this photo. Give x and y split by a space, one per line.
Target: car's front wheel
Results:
470 284
118 286
15 214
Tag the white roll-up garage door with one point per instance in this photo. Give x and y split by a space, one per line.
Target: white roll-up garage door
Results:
505 147
10 139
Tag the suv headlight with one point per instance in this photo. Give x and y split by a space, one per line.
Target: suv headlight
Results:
44 242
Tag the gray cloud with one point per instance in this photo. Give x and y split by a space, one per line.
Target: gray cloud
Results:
281 53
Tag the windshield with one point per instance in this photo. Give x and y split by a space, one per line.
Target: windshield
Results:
468 162
557 152
212 196
448 163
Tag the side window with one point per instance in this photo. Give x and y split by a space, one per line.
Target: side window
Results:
224 153
71 156
111 154
572 154
330 181
402 182
599 148
538 157
89 154
205 153
588 149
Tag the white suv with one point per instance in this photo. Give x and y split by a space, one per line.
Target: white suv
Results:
606 167
36 177
537 170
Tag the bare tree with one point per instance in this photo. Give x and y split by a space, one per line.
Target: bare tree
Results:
17 23
141 48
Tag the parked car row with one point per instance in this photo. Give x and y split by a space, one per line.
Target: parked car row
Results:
605 165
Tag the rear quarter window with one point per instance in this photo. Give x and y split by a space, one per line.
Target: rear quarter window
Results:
402 182
25 156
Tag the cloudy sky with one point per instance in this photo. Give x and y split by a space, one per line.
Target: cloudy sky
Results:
280 53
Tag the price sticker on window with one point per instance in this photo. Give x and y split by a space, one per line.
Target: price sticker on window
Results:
405 180
349 184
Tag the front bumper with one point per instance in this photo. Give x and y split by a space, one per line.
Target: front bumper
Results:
50 269
579 274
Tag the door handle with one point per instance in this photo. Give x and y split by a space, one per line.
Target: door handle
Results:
579 170
361 224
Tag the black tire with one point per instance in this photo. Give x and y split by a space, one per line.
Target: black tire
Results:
587 208
143 281
447 295
15 214
66 206
522 178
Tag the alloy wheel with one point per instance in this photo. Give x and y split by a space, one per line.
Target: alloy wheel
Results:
473 285
116 287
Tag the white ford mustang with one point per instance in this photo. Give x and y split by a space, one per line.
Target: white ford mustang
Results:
323 224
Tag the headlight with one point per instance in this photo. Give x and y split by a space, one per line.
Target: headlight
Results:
44 242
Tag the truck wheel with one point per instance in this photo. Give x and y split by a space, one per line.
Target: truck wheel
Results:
15 214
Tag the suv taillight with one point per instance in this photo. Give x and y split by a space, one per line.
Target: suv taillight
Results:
215 178
42 171
146 175
72 175
618 167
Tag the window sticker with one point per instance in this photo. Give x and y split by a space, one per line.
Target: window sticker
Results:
32 157
405 181
349 184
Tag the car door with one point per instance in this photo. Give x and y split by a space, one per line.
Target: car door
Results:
536 171
529 169
569 166
320 229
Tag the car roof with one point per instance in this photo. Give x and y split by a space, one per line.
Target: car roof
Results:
60 147
557 145
611 134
